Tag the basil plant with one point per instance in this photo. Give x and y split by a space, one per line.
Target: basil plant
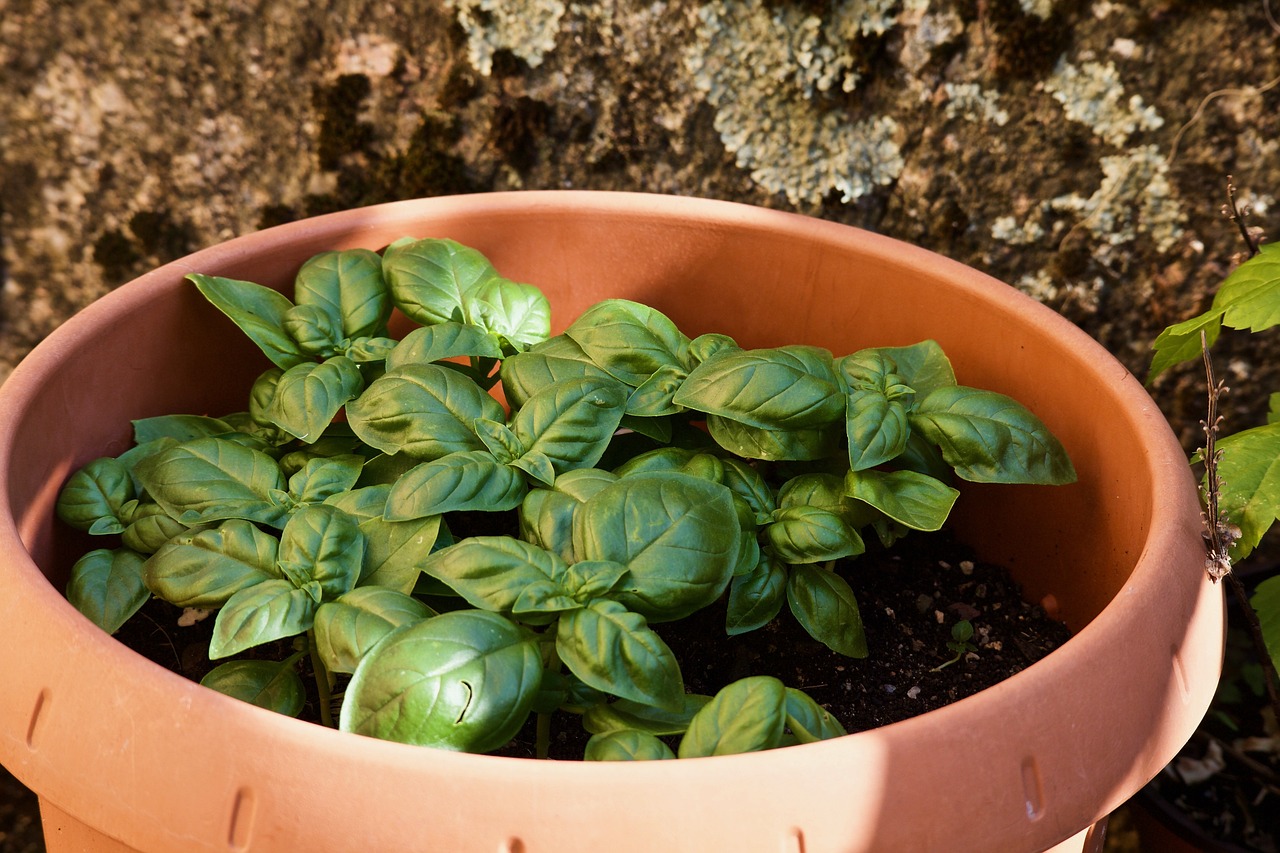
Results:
447 567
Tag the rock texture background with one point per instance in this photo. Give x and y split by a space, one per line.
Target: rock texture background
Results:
1077 149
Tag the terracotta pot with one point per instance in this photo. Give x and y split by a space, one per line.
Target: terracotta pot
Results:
121 749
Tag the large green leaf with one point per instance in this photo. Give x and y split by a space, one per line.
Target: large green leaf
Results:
571 422
266 683
308 396
1250 483
205 569
431 279
462 481
258 311
916 500
775 445
262 613
178 427
394 550
515 313
990 438
876 404
443 341
824 605
423 410
614 650
348 286
94 497
526 373
210 479
464 680
626 746
746 716
808 721
756 597
316 331
108 587
492 572
150 528
321 551
628 340
787 388
678 535
811 534
321 478
347 628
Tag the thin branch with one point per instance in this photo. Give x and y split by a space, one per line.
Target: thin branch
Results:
1238 215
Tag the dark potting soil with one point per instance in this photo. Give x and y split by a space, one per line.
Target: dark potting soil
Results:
910 598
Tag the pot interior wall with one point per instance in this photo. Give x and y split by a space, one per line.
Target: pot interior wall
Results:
803 282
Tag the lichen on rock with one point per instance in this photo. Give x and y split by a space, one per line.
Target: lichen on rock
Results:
1092 94
527 28
1136 197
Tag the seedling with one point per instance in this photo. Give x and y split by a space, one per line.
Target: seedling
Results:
961 633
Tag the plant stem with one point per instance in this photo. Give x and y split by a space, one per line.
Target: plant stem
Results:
543 742
323 685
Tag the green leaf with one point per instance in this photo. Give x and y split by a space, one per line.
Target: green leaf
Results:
1250 295
205 569
308 396
258 311
210 479
571 422
1182 341
1266 603
923 366
626 746
468 480
491 572
267 684
821 490
808 721
107 586
1250 477
678 536
443 341
537 466
347 628
624 715
590 579
262 613
796 445
546 515
499 440
614 650
526 373
748 715
150 527
990 438
464 680
178 427
655 396
366 350
393 549
431 279
787 388
756 597
704 347
876 404
348 287
516 313
825 607
94 496
316 332
628 340
423 410
810 534
746 482
322 544
916 500
323 477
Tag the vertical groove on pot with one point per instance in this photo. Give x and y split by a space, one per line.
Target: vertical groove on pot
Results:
243 809
42 701
1180 675
1032 788
512 845
792 841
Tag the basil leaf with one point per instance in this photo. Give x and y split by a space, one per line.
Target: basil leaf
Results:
468 480
431 279
526 373
443 341
267 684
348 287
515 313
499 440
705 347
211 479
1250 482
747 483
590 579
366 350
423 410
787 388
571 422
628 340
315 331
260 614
205 569
321 478
94 496
258 311
614 650
150 527
810 534
308 396
756 597
990 438
923 366
107 586
546 515
796 445
748 715
624 715
347 628
262 393
626 746
826 608
537 466
491 572
464 680
678 536
876 405
393 549
654 398
916 500
808 721
178 427
324 545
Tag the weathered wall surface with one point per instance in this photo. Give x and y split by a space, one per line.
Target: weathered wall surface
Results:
1044 141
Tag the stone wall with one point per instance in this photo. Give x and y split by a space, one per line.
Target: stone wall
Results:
1058 144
